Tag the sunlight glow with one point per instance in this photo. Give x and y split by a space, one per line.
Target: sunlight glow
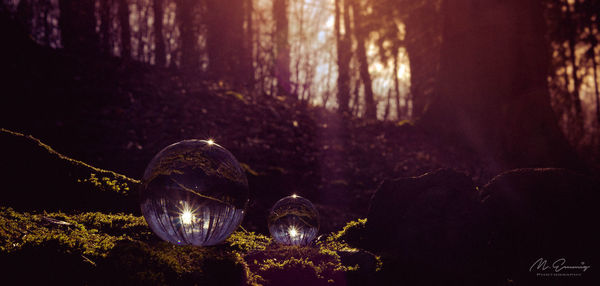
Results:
293 231
210 141
404 72
294 196
377 67
187 217
187 214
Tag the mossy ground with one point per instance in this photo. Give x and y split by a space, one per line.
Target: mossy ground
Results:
99 248
117 115
108 247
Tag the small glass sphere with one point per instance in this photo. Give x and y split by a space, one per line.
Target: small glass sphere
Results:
294 220
194 192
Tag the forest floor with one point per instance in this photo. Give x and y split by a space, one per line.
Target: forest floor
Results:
117 115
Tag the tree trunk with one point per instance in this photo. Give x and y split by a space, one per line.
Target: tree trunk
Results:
77 24
105 22
595 66
160 56
423 30
187 45
567 104
125 29
45 16
355 98
25 15
591 53
344 50
282 48
492 90
397 87
386 113
573 32
360 34
225 40
247 65
236 51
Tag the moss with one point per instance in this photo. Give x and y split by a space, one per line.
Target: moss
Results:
237 95
107 184
132 226
293 265
353 233
405 122
106 173
331 261
31 230
350 240
120 249
162 263
244 241
118 245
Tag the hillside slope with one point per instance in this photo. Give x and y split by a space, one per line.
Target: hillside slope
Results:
116 115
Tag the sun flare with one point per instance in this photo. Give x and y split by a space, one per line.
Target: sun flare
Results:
293 231
187 217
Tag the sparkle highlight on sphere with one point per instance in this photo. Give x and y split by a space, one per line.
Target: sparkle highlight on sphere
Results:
294 220
194 192
186 217
210 142
187 214
293 232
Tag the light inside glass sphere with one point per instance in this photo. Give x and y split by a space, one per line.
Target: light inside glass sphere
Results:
194 192
294 220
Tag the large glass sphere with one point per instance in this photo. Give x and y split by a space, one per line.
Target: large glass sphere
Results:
294 221
194 192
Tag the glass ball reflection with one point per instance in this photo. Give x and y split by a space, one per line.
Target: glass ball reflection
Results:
194 192
294 220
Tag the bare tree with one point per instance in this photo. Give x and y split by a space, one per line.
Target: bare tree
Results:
105 21
25 15
399 112
125 29
187 45
492 90
282 47
572 32
247 57
159 40
423 34
344 53
77 24
360 34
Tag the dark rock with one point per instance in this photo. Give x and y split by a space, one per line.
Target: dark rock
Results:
354 233
427 229
367 266
45 264
35 177
542 213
